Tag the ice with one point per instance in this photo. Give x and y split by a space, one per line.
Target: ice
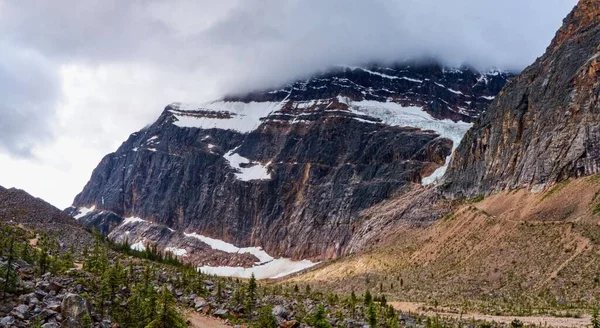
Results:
176 251
132 220
139 246
395 114
451 90
83 211
248 173
244 117
488 97
266 267
275 269
391 77
230 248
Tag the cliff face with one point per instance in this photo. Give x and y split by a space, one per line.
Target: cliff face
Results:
543 127
289 170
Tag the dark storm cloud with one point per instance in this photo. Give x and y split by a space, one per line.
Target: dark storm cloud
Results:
236 45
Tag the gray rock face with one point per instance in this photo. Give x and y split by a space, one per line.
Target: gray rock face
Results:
74 309
543 127
323 162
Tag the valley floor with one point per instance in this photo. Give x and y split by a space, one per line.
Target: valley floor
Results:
197 320
544 321
512 253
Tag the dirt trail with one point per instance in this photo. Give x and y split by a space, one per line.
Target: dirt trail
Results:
539 321
200 321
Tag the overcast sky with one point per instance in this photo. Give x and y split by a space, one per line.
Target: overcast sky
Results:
77 77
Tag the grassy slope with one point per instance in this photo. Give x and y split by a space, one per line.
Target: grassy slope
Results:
514 252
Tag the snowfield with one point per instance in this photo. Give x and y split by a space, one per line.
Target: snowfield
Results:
246 173
266 268
275 269
246 117
83 211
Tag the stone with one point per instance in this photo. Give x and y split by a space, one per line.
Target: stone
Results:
221 313
280 312
73 309
7 321
289 324
543 127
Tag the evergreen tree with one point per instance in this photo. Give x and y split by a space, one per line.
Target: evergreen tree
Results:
265 318
352 302
10 274
167 315
252 294
319 318
368 298
372 314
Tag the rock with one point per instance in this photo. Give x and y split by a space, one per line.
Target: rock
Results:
55 286
21 311
543 127
7 321
289 324
280 312
50 325
74 309
52 305
331 161
221 313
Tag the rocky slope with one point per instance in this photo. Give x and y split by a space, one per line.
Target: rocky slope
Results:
543 127
290 169
35 214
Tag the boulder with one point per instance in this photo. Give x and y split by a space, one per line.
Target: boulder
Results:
74 309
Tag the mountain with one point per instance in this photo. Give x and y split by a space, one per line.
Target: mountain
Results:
543 127
35 214
288 170
519 205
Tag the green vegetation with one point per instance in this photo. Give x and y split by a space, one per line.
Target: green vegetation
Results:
558 187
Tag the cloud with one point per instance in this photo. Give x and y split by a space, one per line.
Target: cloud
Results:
28 96
76 77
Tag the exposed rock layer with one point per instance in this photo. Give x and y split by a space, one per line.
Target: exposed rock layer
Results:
296 182
543 127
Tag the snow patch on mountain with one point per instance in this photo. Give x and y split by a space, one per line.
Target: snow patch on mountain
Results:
247 170
266 267
176 251
83 211
275 269
398 115
132 220
237 116
224 246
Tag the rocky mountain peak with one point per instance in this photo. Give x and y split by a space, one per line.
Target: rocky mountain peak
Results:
289 170
585 16
542 128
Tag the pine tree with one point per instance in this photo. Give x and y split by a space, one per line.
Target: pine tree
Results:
368 298
353 301
595 318
319 318
10 274
372 315
167 315
265 318
252 294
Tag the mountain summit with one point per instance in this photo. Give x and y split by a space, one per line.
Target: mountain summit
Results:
288 169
